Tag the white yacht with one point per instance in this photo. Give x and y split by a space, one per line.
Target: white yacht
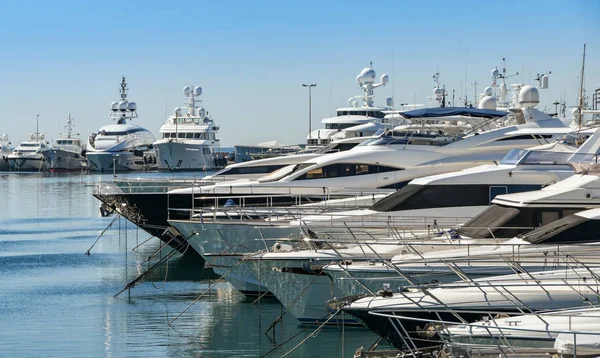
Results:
189 138
29 155
4 153
357 120
66 153
121 146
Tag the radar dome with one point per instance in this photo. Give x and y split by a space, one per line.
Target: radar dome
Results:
438 91
529 97
385 78
114 106
201 112
187 90
367 75
495 73
352 102
177 112
32 136
123 106
575 113
132 106
389 102
198 90
487 91
5 138
42 136
488 102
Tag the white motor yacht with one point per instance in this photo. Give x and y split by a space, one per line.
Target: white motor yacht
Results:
5 150
66 153
359 119
189 138
120 146
29 155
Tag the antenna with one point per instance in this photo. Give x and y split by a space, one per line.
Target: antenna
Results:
37 125
581 86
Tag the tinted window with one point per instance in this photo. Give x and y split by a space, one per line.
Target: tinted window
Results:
443 196
345 170
264 169
570 229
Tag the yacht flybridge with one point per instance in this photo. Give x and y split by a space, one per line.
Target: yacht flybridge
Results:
189 138
29 155
357 120
120 146
66 153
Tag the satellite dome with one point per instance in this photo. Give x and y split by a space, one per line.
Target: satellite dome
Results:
389 102
575 113
198 90
487 91
385 78
438 91
529 97
367 75
5 138
488 102
201 112
123 106
42 136
495 73
32 136
114 106
177 112
132 106
187 90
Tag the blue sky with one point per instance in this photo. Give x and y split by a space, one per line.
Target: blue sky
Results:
251 58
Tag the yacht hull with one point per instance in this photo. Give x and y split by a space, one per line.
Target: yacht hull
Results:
175 156
31 163
63 161
239 275
106 162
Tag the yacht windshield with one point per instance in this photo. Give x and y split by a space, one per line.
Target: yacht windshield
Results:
30 144
514 156
554 158
570 229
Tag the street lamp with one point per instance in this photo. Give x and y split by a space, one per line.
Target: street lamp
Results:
309 106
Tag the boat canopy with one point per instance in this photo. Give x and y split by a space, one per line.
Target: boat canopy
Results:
452 111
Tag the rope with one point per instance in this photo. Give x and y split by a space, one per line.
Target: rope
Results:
165 280
292 337
211 286
102 233
315 332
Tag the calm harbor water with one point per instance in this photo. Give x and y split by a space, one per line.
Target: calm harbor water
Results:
57 302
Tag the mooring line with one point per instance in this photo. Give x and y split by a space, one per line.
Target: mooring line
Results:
102 233
212 285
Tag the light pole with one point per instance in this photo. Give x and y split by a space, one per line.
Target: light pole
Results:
309 106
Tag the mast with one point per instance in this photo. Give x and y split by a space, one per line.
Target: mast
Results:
37 126
581 87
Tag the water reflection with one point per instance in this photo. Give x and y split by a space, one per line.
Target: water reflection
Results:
60 302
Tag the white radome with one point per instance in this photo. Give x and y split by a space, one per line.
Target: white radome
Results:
198 90
488 91
488 102
187 90
114 106
495 73
529 97
367 75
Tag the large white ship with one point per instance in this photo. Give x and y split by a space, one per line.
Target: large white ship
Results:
120 146
189 138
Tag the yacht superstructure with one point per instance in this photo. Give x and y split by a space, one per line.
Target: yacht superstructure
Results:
189 138
120 146
357 120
